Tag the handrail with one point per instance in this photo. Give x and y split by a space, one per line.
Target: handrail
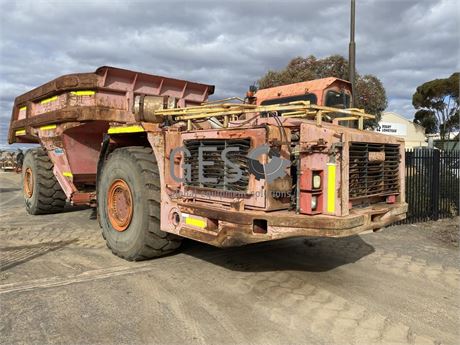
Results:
292 109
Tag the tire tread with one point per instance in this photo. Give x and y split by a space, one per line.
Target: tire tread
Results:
157 242
50 198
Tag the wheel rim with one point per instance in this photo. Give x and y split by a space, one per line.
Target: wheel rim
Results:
28 183
120 205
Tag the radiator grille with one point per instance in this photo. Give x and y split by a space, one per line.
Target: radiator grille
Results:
373 169
219 170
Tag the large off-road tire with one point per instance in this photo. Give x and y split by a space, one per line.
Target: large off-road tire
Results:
42 192
129 199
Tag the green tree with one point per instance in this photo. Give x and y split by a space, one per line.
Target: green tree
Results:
427 119
370 93
437 102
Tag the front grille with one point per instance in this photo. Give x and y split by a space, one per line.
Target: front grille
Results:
219 170
373 170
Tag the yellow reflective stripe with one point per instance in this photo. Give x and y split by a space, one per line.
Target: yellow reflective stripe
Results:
83 93
23 108
45 128
200 223
127 129
67 174
48 100
20 132
331 168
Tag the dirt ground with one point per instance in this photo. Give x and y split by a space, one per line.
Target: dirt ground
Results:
59 284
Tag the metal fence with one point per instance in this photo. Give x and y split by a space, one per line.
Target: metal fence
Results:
432 184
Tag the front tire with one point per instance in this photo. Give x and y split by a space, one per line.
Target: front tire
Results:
42 192
129 205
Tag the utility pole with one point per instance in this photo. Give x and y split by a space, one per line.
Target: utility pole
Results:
352 53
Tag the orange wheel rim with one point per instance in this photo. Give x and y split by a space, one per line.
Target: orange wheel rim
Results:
120 205
28 183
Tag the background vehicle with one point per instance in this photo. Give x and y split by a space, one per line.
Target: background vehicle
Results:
8 161
107 140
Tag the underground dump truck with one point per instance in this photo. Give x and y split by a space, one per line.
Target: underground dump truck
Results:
161 162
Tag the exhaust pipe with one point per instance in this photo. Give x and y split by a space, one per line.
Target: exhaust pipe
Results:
352 53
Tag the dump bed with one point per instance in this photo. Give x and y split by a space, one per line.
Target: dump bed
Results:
108 94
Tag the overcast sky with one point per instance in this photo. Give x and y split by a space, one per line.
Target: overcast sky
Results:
229 44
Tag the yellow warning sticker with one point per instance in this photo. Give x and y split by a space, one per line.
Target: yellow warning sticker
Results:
331 167
190 220
83 93
48 100
125 129
48 127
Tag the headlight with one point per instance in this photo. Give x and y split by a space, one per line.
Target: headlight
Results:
314 202
316 181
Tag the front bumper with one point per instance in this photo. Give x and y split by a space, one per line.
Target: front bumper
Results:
235 228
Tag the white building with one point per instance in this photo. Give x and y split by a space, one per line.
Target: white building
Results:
397 125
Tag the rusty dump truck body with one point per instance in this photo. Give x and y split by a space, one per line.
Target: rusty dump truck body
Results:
335 181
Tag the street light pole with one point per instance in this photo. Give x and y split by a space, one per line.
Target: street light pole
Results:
352 53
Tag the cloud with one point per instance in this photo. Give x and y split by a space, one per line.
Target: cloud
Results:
230 44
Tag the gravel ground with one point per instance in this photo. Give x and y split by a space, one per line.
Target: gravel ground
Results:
444 230
59 284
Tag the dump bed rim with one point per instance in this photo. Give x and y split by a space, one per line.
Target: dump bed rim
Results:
211 88
75 81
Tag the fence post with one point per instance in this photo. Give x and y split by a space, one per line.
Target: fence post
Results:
435 187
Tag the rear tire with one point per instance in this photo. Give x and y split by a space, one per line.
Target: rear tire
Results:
129 205
42 192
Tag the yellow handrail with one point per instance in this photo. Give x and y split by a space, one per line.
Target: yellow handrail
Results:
291 109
